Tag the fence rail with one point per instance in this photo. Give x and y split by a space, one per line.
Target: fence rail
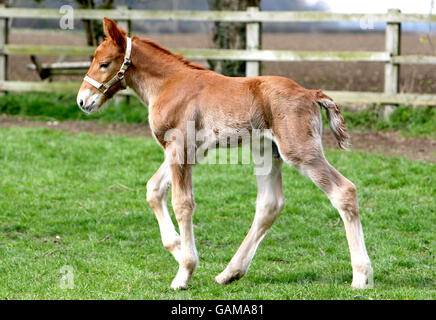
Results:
218 54
229 16
253 55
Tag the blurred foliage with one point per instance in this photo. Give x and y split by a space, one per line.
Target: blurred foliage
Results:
45 106
413 121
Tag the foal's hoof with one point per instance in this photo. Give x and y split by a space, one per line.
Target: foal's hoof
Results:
180 282
362 277
179 285
360 282
226 277
221 280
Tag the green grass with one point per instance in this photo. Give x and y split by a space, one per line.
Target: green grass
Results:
64 107
410 121
54 183
43 106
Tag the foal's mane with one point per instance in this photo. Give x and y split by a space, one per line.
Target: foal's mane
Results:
167 52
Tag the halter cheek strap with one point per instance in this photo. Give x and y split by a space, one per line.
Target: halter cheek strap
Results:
119 77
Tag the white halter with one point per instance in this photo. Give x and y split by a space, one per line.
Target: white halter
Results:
119 77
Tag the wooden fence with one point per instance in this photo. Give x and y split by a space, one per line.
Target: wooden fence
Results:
252 54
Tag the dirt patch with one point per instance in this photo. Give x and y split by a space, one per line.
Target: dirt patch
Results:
388 143
376 142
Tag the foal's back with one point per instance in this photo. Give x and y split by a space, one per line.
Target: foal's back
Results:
215 100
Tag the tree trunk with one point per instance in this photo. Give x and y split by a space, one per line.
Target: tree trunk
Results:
94 28
230 35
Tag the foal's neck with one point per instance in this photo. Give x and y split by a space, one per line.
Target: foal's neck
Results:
152 65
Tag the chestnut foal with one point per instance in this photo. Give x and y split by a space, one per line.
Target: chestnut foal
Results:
177 92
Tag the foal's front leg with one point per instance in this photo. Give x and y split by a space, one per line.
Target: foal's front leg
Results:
183 206
269 203
157 194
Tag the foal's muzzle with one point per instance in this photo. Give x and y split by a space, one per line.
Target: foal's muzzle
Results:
88 101
88 109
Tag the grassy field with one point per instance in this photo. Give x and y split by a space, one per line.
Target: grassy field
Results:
79 200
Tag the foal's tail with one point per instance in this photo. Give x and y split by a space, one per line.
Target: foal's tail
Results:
336 120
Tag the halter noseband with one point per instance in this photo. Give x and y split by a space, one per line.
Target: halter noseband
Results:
119 77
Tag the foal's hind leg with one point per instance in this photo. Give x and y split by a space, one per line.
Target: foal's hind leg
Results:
157 194
269 203
342 194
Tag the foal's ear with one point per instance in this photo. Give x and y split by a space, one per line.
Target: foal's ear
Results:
114 32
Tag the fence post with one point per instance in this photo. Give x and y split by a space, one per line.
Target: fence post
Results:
4 35
252 68
392 71
126 25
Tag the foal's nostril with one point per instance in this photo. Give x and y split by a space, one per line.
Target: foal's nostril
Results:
81 102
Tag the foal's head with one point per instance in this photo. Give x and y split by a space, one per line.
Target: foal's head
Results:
108 59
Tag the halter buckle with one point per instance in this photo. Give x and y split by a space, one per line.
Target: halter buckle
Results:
120 74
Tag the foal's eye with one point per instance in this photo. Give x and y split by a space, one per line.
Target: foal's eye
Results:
104 64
